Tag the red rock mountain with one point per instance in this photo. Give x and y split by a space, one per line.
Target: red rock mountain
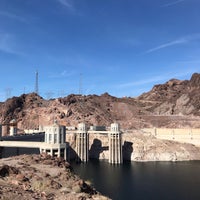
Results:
173 104
175 97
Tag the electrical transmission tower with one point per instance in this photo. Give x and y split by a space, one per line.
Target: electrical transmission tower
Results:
49 95
80 84
81 98
8 92
36 82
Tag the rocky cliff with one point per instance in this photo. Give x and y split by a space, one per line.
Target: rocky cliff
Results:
175 103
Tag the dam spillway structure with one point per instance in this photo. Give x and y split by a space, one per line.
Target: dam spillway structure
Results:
13 127
55 144
82 143
115 144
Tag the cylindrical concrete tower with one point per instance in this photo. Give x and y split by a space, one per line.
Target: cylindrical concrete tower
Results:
115 144
13 127
55 144
55 134
82 143
5 130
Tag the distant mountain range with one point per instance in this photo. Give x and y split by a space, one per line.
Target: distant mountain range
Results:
173 104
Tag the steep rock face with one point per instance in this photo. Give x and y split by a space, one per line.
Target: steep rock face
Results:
175 97
168 91
11 109
195 80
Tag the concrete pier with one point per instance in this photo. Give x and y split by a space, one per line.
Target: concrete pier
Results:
82 143
115 144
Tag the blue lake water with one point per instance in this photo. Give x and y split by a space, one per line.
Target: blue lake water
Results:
144 180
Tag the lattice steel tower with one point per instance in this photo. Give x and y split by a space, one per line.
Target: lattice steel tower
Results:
36 82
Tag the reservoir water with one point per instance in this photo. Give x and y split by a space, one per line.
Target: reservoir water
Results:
143 180
134 180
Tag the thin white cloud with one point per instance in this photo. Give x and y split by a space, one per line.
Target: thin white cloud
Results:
62 74
159 78
162 46
7 44
66 3
179 41
143 81
172 3
12 16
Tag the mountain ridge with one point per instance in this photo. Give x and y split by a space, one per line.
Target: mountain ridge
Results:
174 103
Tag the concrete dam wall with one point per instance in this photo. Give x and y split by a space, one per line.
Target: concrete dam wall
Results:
137 145
99 146
191 136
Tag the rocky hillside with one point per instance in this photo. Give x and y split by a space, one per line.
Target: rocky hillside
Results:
173 104
175 97
42 177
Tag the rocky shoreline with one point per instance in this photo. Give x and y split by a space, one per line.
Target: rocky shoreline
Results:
42 177
146 147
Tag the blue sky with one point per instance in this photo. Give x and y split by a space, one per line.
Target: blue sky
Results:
122 47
